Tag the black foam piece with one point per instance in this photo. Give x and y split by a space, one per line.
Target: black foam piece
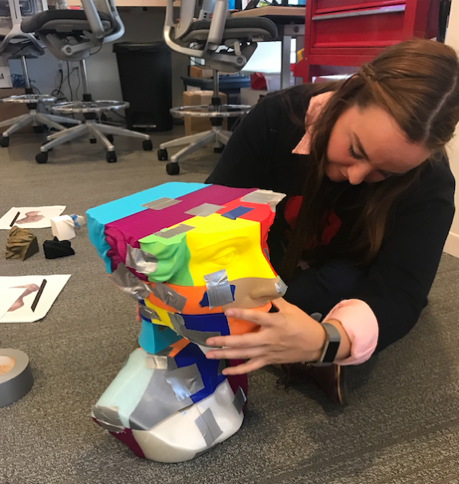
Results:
57 248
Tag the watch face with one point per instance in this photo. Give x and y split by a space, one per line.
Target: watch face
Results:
331 351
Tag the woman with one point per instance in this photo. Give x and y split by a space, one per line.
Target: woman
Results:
369 205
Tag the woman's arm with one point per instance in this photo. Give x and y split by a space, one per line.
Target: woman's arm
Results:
400 277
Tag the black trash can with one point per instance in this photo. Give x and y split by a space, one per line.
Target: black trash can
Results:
146 83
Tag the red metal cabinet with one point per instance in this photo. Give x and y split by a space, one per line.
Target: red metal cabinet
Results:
349 32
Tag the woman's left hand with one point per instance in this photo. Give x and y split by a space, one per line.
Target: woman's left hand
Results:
288 336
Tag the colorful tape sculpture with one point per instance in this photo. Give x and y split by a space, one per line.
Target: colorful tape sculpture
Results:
185 252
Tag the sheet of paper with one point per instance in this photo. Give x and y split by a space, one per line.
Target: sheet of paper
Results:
30 217
8 298
37 295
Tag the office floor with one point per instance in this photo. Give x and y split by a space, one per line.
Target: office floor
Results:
401 426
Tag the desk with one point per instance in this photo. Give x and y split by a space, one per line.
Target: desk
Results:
290 25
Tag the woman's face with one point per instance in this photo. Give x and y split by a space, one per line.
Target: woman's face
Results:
367 145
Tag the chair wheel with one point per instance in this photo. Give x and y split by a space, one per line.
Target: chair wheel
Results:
110 138
4 141
173 168
38 128
111 157
93 141
42 157
162 155
219 150
147 144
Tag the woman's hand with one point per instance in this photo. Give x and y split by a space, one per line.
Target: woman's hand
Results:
288 336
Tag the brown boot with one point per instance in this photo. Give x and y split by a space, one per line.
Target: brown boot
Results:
332 380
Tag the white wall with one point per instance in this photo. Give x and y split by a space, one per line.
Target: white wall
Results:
452 38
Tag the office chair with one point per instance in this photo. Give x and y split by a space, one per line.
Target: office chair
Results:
72 35
16 44
225 44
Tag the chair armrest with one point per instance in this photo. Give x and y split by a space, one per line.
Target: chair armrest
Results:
93 18
217 25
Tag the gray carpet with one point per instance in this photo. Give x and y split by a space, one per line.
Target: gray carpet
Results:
401 426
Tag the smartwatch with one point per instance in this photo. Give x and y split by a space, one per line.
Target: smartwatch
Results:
330 349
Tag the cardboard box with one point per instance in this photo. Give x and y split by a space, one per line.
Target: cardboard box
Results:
8 110
199 72
196 98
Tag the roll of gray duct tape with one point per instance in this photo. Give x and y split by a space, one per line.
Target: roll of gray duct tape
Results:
15 376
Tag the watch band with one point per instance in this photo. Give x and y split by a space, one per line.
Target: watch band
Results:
331 346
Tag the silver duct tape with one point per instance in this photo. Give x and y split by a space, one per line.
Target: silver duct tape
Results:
185 381
130 284
161 203
160 362
180 229
208 426
281 287
264 196
239 400
197 337
170 297
316 316
108 418
147 312
140 261
266 251
16 377
204 210
222 364
157 403
164 351
218 289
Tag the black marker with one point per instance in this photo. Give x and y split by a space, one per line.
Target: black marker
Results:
38 296
14 219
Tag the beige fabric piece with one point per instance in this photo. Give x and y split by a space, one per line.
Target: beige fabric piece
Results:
21 244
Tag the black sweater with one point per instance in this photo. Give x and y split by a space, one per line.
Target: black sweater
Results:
259 154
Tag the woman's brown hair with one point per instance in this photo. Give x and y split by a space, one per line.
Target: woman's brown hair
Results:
416 82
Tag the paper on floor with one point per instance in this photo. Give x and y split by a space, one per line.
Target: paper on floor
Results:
37 295
30 217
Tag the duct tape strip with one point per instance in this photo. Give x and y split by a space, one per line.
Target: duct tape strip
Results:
185 381
264 196
218 289
208 426
170 297
198 337
161 203
237 212
16 377
180 229
204 210
148 313
222 364
316 316
239 400
281 287
157 403
108 418
140 261
130 284
160 362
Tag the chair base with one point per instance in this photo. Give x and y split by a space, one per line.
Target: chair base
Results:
95 131
217 135
35 118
